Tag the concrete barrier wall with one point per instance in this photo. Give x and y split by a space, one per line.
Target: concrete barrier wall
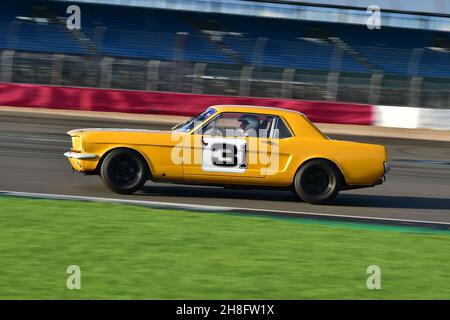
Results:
170 103
406 117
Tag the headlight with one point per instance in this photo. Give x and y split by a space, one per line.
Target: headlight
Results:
77 143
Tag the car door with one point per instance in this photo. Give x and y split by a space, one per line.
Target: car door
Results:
220 151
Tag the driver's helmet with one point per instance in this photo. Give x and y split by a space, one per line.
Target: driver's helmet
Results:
250 122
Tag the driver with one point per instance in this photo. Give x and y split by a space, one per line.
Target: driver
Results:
249 125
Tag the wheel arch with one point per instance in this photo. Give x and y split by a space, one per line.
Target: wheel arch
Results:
331 162
137 152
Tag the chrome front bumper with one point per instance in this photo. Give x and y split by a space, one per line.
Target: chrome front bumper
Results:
77 155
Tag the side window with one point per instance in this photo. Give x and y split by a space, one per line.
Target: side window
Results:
282 129
234 124
224 125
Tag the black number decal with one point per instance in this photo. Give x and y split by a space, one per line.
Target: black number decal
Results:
224 155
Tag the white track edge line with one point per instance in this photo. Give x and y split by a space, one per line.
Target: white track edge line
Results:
203 207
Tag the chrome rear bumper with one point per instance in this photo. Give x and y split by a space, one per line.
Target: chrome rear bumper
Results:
387 166
381 180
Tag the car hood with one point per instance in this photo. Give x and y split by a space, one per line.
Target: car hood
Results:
76 132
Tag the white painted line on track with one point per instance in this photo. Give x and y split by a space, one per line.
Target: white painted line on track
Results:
112 200
200 207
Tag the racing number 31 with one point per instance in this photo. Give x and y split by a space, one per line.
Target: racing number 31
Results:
224 155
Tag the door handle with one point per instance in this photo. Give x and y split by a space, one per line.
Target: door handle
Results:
270 143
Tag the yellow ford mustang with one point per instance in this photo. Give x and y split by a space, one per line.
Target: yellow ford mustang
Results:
231 146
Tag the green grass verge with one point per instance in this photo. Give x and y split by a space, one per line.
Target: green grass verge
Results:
129 252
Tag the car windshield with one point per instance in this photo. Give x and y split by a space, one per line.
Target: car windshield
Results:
190 124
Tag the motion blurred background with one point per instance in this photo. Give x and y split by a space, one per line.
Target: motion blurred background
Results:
313 50
171 59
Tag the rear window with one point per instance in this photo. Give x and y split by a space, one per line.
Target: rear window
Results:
283 130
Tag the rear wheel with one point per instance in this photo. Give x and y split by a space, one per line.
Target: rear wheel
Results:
123 171
317 182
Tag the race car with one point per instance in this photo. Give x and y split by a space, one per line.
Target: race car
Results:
231 146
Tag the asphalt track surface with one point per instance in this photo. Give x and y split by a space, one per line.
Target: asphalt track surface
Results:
31 160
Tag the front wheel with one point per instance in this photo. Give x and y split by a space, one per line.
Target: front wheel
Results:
123 171
317 182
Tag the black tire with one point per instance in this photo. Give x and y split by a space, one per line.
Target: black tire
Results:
317 181
124 171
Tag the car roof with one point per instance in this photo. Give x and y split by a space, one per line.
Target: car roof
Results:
254 109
